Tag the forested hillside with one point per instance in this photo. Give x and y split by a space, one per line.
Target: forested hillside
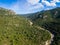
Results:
50 20
16 30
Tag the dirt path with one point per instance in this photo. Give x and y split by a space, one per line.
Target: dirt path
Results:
48 42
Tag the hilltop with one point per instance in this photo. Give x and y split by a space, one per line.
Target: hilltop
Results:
4 11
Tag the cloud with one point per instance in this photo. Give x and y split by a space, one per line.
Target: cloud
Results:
52 4
47 3
55 1
33 2
37 6
29 5
32 5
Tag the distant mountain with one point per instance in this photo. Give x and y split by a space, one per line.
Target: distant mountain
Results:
54 13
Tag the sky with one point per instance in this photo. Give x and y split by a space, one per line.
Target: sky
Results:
29 6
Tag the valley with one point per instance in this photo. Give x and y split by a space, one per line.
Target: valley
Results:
41 28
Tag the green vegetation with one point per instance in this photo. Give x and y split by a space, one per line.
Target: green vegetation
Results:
54 27
16 30
49 20
6 12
